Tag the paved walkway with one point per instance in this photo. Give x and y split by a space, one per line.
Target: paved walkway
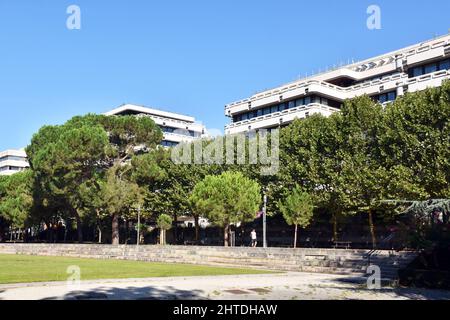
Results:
287 286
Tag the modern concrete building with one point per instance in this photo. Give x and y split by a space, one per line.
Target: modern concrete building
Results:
13 161
383 78
176 127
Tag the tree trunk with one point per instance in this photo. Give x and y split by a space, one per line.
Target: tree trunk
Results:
226 235
99 234
197 228
335 232
162 237
372 229
115 230
175 230
79 227
295 236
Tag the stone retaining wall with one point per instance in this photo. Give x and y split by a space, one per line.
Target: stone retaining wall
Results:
337 261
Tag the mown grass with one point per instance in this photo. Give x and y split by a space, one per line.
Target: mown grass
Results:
23 269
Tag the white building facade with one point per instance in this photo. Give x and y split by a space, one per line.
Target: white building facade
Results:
176 127
13 161
383 78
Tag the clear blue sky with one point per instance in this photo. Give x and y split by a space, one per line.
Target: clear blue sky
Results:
191 57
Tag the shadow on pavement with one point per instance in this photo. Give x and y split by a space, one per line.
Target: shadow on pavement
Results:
131 293
358 284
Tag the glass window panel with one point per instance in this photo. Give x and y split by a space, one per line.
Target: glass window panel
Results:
275 108
430 68
259 113
307 100
392 95
444 65
291 105
299 102
266 110
417 72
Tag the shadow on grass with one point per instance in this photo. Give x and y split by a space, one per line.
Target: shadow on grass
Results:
132 293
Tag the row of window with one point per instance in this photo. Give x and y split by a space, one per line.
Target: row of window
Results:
429 68
11 168
185 132
386 97
169 144
280 107
13 158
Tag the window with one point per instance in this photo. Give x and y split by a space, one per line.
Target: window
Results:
307 100
391 96
13 158
169 144
290 105
430 68
386 97
278 108
417 72
444 65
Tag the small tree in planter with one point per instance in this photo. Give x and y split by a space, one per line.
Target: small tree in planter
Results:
164 223
297 209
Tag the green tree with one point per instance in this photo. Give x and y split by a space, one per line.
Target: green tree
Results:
164 223
310 156
67 165
416 136
16 198
227 199
121 197
68 161
297 209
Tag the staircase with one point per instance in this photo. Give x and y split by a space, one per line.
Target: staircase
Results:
350 262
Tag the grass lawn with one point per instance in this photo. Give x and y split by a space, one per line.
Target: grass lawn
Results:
22 268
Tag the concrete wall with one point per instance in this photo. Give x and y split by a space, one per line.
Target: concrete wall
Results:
308 260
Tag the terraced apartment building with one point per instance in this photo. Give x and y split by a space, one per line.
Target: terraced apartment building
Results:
383 78
13 161
176 127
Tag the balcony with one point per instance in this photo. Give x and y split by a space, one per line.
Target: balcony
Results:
279 118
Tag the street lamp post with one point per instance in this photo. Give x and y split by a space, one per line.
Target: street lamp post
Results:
264 222
139 226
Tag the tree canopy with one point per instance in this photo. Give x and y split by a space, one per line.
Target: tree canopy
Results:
227 199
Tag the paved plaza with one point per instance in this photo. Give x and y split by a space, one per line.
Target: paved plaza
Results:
285 286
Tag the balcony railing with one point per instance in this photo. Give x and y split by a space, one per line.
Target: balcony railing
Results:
310 106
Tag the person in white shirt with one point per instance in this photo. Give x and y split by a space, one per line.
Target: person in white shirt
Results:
253 236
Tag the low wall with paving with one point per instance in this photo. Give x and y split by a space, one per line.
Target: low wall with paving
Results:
337 261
